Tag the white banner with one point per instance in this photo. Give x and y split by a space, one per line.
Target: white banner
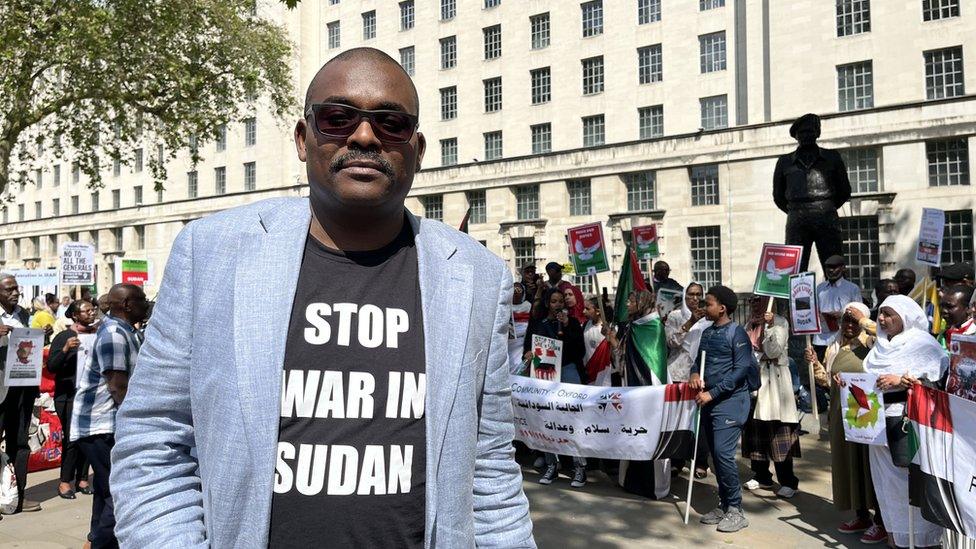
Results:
862 409
25 352
604 422
929 250
77 263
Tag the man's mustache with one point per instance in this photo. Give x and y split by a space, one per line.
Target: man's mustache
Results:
339 161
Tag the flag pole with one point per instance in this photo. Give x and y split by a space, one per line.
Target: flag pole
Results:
599 297
911 527
813 391
694 454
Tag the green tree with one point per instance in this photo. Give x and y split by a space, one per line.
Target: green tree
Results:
91 80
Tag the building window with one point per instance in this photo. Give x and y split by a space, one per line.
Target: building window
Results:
75 205
541 85
594 133
117 238
250 132
138 160
38 178
648 11
448 52
492 3
579 196
650 121
704 185
704 5
706 255
75 172
137 194
406 15
56 180
221 141
159 195
116 167
191 184
861 248
493 145
650 66
640 191
853 17
714 112
334 31
94 201
855 86
449 151
369 25
524 250
957 239
948 162
862 169
21 208
527 202
140 237
448 9
433 206
712 52
477 206
493 94
592 18
250 176
592 75
493 41
38 209
56 207
943 73
449 103
116 199
220 180
541 138
333 2
540 30
407 57
939 9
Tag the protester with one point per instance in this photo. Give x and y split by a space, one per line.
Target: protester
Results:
956 312
724 401
101 389
531 282
958 274
63 309
884 288
104 305
17 406
641 351
597 362
683 329
850 471
45 315
903 353
662 278
833 295
63 363
772 432
521 314
558 324
575 302
905 278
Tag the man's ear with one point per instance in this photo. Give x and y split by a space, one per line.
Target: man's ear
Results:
301 129
421 149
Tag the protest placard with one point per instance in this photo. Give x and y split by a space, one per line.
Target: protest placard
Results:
930 232
132 271
547 358
77 263
668 300
86 343
25 352
587 250
804 315
862 409
776 263
962 366
645 241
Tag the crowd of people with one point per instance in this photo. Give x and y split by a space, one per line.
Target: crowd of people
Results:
751 395
86 396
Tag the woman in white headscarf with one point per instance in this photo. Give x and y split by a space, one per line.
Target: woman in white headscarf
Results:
903 353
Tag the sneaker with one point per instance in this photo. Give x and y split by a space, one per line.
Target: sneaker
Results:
854 526
733 521
552 472
714 516
579 477
755 485
539 463
785 492
874 534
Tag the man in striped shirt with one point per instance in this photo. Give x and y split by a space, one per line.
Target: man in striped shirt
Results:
102 384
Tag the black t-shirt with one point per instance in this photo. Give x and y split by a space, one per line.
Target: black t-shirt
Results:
350 466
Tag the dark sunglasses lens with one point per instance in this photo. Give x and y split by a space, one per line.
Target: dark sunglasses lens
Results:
393 126
336 120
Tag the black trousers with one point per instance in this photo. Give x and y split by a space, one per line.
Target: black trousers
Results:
15 419
74 464
815 225
784 473
98 450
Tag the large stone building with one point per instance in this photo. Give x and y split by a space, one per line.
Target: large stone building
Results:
545 114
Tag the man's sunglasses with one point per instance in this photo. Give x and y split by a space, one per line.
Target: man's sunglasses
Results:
339 121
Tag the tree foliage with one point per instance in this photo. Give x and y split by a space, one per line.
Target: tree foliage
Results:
89 81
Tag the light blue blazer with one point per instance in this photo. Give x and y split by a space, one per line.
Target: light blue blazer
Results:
196 437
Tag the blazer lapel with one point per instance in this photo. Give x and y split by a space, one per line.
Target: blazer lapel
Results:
264 289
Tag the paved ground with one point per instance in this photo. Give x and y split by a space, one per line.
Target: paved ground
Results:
599 516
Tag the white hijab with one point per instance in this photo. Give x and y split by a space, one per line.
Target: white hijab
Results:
693 337
913 351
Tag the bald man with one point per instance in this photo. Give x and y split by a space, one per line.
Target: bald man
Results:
361 398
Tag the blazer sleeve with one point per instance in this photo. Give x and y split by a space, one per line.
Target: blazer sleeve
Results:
501 510
155 480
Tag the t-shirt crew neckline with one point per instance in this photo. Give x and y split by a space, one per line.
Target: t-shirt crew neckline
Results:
367 258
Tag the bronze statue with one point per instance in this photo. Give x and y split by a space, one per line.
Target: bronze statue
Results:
809 185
